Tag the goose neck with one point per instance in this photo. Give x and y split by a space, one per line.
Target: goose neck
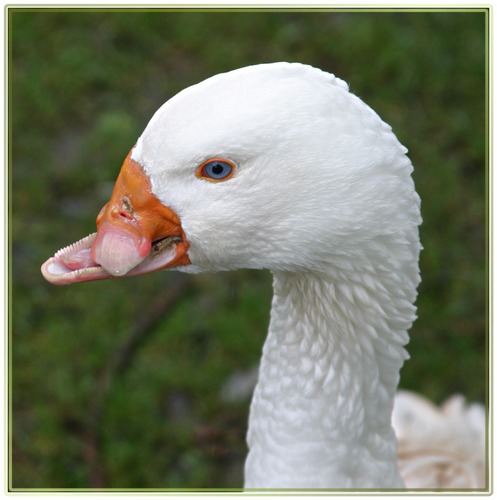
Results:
321 411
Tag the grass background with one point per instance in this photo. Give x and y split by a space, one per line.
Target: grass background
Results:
117 384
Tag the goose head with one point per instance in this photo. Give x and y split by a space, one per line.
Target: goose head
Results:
275 166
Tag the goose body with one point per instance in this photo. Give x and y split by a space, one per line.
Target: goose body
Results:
440 447
280 167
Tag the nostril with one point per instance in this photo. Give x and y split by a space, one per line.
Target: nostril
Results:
121 214
125 215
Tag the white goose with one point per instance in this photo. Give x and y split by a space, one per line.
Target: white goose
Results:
280 167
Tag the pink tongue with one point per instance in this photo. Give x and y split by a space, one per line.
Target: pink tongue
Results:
119 251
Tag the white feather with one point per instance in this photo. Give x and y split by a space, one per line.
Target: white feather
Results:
322 197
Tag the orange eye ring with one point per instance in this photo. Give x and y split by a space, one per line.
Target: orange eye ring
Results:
216 170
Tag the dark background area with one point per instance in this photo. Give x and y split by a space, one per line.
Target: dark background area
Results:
117 384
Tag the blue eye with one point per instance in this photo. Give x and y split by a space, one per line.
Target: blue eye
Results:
216 169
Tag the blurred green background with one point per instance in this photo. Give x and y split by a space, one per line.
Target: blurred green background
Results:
117 384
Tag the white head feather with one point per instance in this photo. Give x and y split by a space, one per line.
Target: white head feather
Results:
319 175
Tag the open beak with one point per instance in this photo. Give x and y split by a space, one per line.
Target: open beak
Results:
136 234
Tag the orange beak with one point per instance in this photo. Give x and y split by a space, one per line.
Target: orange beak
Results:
136 234
132 221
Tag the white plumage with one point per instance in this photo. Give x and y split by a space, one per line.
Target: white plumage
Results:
440 447
320 193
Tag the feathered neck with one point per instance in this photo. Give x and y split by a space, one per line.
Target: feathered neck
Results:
321 412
